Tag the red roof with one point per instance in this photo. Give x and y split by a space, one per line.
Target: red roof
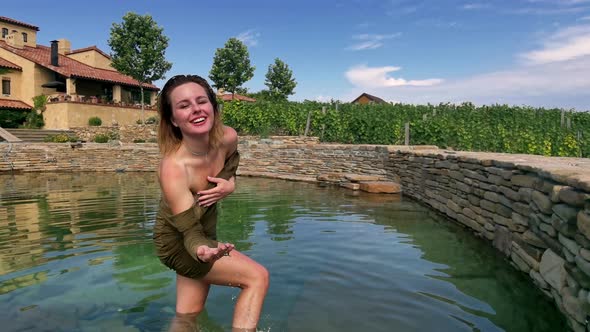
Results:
13 104
229 97
7 64
41 55
15 22
90 48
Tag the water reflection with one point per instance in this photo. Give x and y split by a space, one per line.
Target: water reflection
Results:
339 261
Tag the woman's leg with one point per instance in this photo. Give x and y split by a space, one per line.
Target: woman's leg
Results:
190 295
239 270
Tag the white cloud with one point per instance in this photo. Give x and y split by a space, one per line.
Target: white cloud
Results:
323 99
370 41
249 37
563 84
566 44
475 6
377 77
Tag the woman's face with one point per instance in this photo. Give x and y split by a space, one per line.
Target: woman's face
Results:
192 112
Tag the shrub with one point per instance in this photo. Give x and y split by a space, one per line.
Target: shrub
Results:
60 138
138 140
94 121
11 118
101 138
151 120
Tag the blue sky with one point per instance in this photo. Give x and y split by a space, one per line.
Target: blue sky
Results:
517 52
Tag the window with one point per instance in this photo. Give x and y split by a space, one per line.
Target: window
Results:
24 37
5 86
4 32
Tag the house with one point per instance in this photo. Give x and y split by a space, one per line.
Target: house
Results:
79 83
221 94
366 98
235 96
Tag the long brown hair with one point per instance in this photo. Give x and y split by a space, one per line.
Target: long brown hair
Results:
170 136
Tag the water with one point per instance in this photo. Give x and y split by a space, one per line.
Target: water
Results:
76 255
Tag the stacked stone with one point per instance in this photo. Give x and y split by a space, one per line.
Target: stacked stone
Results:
367 183
127 134
539 219
303 158
90 157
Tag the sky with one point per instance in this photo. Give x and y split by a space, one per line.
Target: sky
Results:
515 52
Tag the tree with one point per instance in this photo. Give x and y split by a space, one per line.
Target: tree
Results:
279 80
138 49
231 66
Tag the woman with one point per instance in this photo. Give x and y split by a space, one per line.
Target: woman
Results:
199 161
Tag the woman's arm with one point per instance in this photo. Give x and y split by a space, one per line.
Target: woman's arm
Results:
186 217
222 187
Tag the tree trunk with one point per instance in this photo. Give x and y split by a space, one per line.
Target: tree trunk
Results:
142 111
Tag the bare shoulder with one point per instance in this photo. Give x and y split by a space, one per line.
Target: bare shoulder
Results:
230 139
174 182
171 171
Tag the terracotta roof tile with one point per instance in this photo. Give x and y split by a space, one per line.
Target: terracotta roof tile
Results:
90 48
7 64
15 22
41 55
13 104
228 97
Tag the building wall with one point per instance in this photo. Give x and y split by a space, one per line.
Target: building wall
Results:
64 115
363 100
92 58
31 34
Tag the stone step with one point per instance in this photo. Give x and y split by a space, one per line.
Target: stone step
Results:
382 187
36 135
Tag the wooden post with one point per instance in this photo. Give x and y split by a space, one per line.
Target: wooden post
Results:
562 118
324 124
407 134
308 123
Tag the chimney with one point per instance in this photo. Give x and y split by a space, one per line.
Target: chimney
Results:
64 46
54 53
15 39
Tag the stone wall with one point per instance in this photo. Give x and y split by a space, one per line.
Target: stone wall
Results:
535 210
126 134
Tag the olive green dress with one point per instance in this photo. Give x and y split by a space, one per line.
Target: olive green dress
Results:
176 237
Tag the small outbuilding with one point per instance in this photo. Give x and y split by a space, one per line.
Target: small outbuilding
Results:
366 98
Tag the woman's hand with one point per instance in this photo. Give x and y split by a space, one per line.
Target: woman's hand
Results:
211 196
206 254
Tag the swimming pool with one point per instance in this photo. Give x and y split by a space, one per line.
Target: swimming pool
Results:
76 255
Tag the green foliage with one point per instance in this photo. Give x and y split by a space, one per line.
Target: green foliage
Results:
34 119
94 121
152 120
101 138
139 49
138 140
279 80
495 128
231 66
12 118
104 138
60 138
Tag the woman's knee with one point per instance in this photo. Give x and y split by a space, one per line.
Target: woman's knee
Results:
261 277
